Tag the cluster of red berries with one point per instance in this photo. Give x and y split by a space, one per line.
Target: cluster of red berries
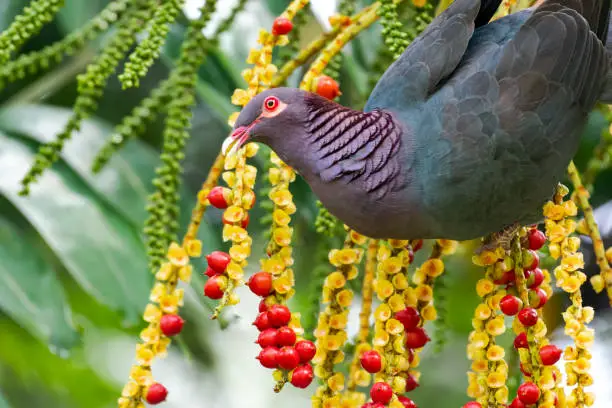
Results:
416 337
216 283
170 325
527 394
382 393
371 361
511 305
280 348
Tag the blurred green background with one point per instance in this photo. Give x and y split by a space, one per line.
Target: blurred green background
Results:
73 269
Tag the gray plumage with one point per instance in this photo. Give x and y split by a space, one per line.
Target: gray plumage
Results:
467 132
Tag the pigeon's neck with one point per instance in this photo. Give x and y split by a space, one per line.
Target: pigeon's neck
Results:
355 147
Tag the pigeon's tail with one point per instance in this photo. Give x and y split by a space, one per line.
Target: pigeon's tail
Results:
488 8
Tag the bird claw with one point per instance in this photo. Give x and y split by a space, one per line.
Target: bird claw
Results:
499 239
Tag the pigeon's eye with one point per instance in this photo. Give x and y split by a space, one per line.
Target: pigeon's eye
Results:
271 103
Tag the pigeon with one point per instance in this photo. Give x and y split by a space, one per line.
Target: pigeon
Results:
466 134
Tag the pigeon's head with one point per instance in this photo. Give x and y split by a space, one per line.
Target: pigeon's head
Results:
276 117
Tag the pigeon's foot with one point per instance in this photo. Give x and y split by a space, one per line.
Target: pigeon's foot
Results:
501 239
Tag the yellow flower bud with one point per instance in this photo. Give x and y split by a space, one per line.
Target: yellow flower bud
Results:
391 265
598 283
484 287
424 293
482 312
496 326
554 211
480 366
336 382
396 302
496 380
399 281
344 297
429 313
335 280
479 340
383 288
177 255
495 353
394 327
433 267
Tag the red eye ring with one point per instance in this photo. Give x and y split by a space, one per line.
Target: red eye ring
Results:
271 103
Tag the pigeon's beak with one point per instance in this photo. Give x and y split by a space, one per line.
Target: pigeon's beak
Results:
236 139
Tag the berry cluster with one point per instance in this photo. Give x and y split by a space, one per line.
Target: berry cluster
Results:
381 392
398 331
280 346
510 304
216 272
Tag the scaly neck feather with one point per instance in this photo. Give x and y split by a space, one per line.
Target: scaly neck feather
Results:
357 147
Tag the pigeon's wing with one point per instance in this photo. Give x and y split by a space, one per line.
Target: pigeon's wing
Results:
511 120
432 56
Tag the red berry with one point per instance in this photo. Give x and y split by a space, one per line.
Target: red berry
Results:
416 338
282 26
531 260
507 278
262 322
267 338
516 403
218 261
371 361
537 298
267 357
156 394
528 316
537 239
306 349
261 283
418 244
263 307
411 383
409 317
410 256
302 376
210 272
288 358
279 315
219 197
373 405
381 392
510 305
520 341
171 324
406 402
213 288
327 87
550 354
534 278
472 404
285 336
528 393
